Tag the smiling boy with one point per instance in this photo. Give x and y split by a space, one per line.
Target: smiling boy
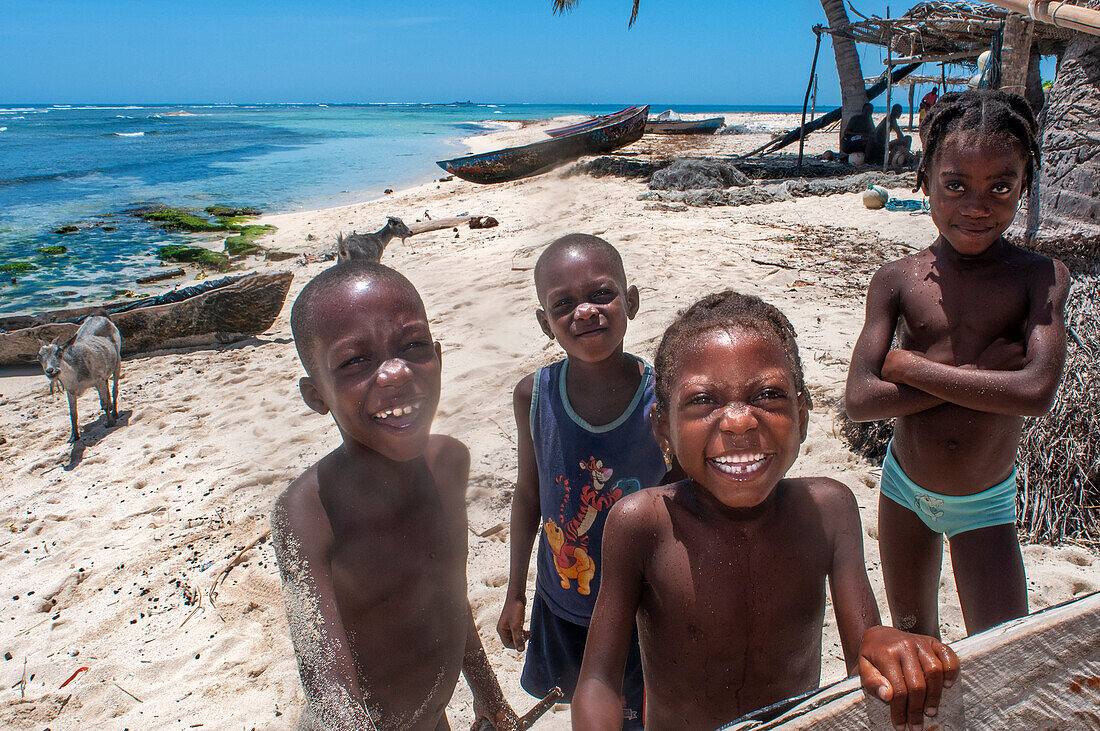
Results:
371 540
585 441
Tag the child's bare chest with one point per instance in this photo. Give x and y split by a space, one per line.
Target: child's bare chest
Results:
401 561
953 316
737 590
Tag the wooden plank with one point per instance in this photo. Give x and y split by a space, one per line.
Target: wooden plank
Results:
1037 672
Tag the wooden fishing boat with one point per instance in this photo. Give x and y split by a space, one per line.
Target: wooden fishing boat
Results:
219 310
685 127
591 122
513 163
1039 671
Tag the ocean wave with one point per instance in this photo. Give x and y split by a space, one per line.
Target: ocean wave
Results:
127 134
13 110
3 129
106 108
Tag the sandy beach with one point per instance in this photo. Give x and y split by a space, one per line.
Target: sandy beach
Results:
109 551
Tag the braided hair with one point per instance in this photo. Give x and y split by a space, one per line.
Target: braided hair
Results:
723 311
987 113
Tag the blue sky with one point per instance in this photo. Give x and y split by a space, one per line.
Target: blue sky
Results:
702 52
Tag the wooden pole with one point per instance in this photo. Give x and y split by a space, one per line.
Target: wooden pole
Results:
889 90
806 100
911 86
813 101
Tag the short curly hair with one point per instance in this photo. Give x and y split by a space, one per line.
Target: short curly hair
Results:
989 114
724 311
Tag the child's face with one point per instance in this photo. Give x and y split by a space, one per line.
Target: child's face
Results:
377 368
974 189
586 305
734 421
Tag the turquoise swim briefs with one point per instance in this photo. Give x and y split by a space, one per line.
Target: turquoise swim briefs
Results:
949 514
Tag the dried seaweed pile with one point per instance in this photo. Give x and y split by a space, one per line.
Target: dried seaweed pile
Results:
1059 459
844 259
868 439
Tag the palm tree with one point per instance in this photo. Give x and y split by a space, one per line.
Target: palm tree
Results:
852 92
1069 206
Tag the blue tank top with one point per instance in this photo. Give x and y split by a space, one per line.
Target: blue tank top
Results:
583 471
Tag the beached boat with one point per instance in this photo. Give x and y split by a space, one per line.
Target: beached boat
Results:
685 126
513 163
219 310
591 122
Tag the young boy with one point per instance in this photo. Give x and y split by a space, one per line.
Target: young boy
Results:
585 441
371 540
725 572
982 344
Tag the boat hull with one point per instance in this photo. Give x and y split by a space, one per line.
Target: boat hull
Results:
514 163
686 127
593 122
245 306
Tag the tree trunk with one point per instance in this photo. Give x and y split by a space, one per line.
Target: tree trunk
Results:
1069 212
853 93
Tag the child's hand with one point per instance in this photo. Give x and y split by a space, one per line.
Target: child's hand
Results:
510 624
907 671
498 715
1003 355
895 365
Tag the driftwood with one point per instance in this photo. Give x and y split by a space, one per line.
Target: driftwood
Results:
1041 671
435 224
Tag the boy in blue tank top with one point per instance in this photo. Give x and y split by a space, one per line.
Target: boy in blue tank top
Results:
585 441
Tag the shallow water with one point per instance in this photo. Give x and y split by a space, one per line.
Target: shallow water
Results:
88 165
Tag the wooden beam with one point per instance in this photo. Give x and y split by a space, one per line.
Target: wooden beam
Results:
1042 667
961 55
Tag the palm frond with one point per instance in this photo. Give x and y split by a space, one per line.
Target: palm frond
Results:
561 6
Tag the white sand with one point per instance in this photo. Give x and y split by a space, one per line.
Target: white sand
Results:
149 514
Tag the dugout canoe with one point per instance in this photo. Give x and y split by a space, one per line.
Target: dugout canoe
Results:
1037 672
513 163
592 122
685 127
211 311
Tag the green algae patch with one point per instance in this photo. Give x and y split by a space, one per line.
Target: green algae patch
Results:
245 240
176 219
12 267
66 229
194 255
233 211
52 250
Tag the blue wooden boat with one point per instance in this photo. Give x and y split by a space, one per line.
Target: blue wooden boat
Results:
591 122
513 163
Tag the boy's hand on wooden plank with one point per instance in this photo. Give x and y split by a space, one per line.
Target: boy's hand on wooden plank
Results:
510 624
907 671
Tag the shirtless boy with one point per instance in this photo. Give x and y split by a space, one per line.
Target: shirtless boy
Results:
725 571
981 338
371 540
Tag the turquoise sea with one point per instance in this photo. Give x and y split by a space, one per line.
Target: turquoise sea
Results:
87 165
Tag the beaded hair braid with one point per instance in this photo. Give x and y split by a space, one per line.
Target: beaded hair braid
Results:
987 113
